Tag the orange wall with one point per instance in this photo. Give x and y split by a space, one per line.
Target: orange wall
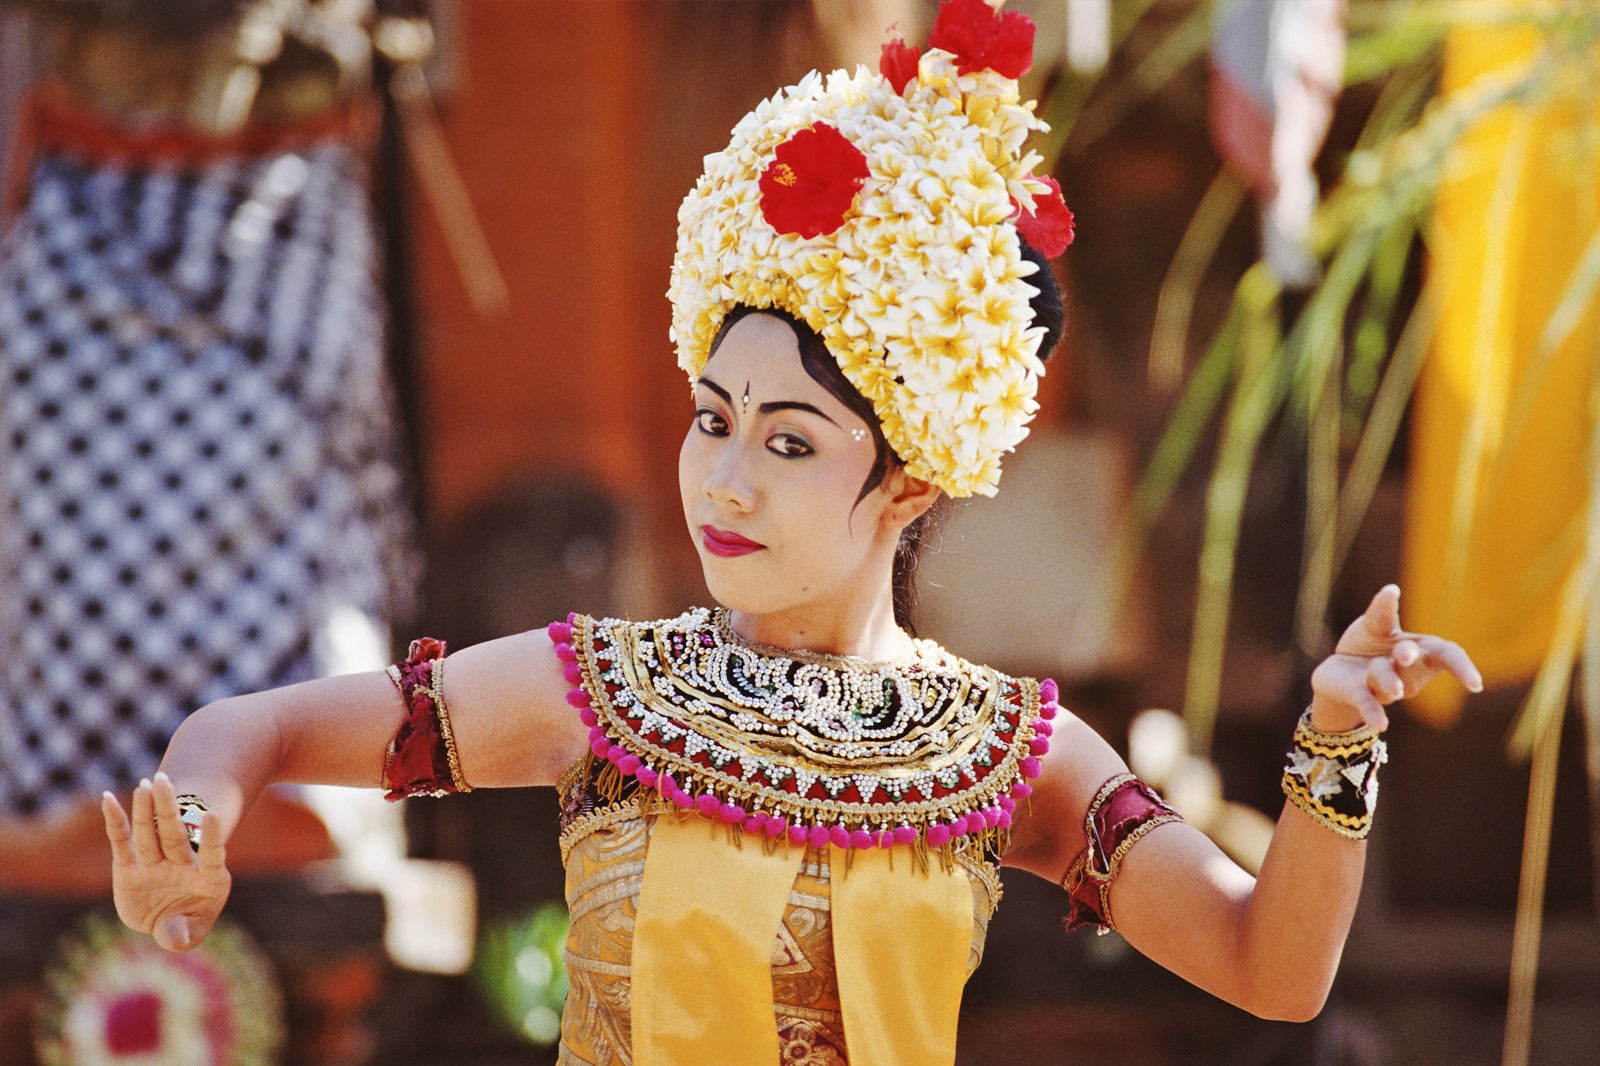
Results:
540 122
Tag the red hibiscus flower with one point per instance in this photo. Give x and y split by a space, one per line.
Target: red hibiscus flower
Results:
1049 227
812 181
982 38
898 62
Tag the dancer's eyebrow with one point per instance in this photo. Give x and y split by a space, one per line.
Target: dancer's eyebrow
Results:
770 406
792 405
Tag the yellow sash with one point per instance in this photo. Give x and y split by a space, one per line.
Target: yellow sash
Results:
901 941
707 924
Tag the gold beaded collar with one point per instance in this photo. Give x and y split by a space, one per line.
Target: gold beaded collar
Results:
925 748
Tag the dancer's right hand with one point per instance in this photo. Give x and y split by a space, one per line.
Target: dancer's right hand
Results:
160 884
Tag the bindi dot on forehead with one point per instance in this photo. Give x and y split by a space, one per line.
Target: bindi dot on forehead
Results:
744 400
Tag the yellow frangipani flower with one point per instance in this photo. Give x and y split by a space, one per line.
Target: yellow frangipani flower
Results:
921 292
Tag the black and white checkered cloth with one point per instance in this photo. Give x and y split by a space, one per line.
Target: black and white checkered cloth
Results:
198 462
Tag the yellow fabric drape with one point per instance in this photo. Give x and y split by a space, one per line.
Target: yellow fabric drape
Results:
1494 507
900 947
706 929
702 950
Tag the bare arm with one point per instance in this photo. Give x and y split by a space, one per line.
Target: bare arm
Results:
1269 945
508 712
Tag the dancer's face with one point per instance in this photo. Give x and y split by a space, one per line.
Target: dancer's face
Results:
771 472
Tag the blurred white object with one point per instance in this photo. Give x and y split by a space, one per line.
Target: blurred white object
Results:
433 916
1195 791
351 641
1088 35
1157 743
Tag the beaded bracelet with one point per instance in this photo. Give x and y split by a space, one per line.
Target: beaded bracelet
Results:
1333 777
191 812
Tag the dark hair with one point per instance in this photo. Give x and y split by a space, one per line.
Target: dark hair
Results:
823 368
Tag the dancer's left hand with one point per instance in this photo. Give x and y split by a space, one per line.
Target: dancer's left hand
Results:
1376 662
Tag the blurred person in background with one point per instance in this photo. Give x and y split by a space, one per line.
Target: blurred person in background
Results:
201 484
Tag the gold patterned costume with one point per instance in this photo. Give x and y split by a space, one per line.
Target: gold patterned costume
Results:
777 856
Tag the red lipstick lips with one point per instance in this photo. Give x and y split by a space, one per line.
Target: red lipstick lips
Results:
726 544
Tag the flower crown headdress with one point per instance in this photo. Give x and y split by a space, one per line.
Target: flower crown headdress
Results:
883 209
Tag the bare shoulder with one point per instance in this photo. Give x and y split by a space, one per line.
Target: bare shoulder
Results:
509 711
1048 830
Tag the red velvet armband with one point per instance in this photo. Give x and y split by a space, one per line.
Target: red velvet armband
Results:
1124 810
421 760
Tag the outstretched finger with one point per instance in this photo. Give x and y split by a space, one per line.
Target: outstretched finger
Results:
212 857
1448 655
1382 616
117 830
146 845
169 822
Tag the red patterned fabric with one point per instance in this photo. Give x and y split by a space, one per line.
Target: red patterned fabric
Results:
420 759
1124 810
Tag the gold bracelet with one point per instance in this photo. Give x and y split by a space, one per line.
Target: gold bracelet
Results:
1333 777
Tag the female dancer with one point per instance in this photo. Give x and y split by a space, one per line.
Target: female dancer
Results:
782 819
